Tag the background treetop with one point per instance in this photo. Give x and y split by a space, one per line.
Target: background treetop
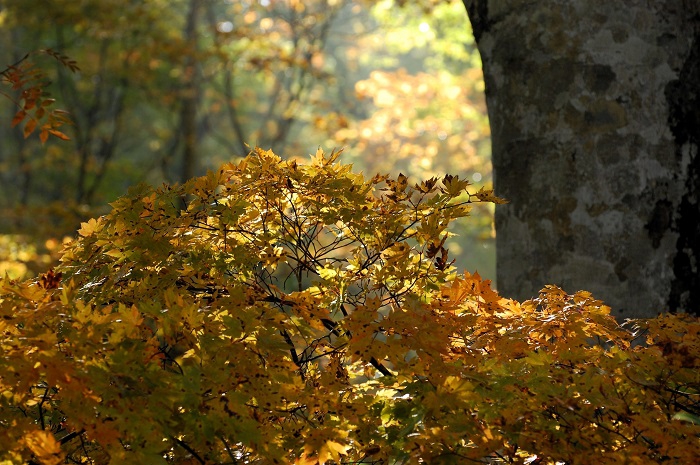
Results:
167 90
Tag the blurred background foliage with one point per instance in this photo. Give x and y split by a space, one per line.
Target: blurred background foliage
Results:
170 88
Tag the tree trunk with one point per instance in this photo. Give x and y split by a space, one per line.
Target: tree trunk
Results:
595 110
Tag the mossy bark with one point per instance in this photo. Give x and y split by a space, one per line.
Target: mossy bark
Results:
595 118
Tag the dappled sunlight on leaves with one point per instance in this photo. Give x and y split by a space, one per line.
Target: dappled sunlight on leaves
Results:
296 312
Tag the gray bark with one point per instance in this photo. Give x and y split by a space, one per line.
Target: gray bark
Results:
595 117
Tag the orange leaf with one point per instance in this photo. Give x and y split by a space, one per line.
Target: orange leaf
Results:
58 134
19 116
29 128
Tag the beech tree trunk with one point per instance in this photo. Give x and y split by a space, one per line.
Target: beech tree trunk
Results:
595 118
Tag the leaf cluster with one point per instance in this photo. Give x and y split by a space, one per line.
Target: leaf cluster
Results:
282 312
33 101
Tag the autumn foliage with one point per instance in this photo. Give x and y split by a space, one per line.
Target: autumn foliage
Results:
33 101
280 312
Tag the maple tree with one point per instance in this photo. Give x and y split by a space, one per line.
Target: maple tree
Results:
285 312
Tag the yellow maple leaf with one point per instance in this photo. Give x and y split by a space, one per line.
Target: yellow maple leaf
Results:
331 450
43 444
88 228
487 195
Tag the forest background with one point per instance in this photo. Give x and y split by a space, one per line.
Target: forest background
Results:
165 90
281 312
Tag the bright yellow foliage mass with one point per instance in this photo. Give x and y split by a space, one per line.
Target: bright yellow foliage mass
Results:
274 312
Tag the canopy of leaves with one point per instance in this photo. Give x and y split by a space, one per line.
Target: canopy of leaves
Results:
282 312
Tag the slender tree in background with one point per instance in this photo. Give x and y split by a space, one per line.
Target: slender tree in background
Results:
594 117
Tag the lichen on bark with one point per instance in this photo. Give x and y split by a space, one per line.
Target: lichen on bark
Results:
594 124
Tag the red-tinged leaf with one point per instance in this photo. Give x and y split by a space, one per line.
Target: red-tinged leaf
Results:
29 128
40 112
47 102
19 116
44 136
